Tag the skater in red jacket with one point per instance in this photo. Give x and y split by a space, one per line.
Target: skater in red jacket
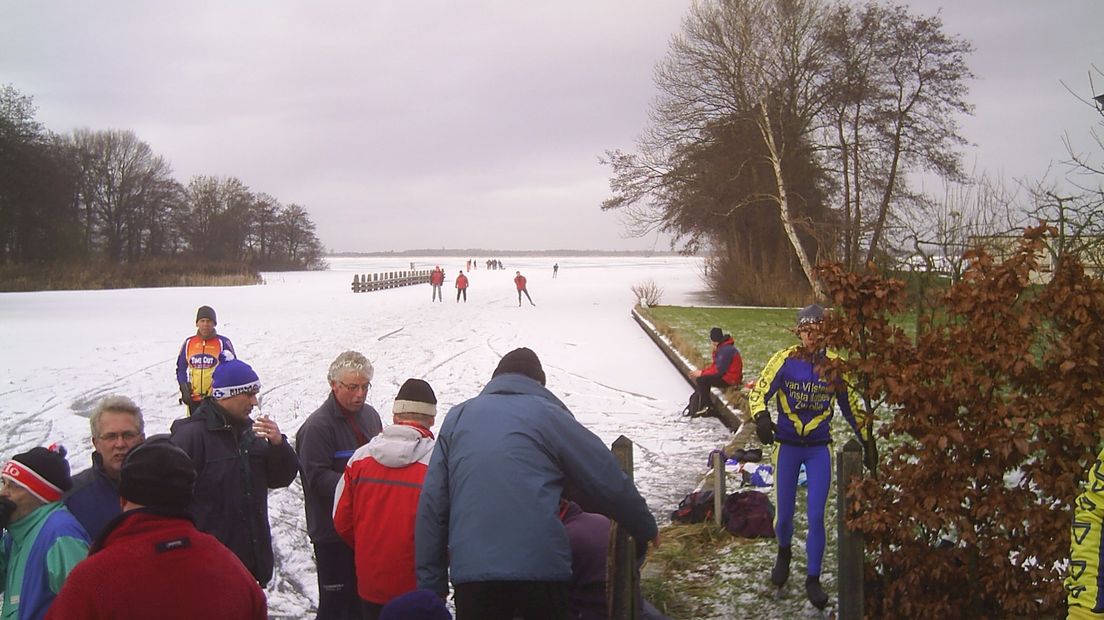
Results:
519 281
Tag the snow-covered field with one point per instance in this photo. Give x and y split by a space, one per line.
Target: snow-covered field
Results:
61 351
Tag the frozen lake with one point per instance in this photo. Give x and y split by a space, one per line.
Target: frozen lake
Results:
64 350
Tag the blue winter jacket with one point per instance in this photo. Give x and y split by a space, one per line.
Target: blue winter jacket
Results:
94 498
489 504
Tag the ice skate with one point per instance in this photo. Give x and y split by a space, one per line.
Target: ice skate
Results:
817 596
780 573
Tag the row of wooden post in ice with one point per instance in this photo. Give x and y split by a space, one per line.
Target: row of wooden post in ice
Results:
363 283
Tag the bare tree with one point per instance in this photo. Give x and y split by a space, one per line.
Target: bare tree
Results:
899 83
119 177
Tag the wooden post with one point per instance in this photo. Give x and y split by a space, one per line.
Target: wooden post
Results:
623 583
718 488
849 543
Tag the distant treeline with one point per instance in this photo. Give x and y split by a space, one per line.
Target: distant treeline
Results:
481 253
104 197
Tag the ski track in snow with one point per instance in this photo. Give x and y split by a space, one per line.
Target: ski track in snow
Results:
65 350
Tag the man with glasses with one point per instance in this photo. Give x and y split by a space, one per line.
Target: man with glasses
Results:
237 460
325 442
117 428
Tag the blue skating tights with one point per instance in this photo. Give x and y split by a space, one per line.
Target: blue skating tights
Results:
818 471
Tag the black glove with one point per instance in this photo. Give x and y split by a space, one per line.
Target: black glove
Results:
870 454
185 393
7 509
764 428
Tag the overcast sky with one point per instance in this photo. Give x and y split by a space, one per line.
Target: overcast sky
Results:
462 123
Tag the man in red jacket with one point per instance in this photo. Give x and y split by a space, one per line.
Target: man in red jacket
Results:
151 561
436 279
377 499
519 281
727 369
462 287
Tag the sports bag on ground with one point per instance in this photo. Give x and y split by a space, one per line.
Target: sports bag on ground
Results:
749 514
694 508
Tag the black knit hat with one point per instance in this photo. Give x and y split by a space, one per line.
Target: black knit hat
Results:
157 473
523 362
44 472
415 396
716 335
206 312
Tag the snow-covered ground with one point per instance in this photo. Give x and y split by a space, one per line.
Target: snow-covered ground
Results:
61 351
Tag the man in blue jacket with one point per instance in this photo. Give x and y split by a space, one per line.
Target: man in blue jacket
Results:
117 428
489 509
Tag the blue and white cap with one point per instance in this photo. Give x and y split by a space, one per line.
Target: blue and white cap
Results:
234 377
810 314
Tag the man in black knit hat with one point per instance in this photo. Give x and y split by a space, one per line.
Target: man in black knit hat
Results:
727 368
42 541
199 356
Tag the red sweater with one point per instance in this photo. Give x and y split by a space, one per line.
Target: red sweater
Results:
156 566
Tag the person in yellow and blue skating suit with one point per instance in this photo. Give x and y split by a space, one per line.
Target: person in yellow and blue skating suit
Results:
803 431
1084 596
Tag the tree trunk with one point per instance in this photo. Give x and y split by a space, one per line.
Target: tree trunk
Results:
784 206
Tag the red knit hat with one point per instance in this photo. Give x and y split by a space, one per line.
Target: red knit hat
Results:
44 472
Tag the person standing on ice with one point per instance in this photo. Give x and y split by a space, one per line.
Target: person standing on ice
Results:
462 287
117 428
519 282
488 515
436 279
803 431
199 356
42 541
377 498
237 460
324 444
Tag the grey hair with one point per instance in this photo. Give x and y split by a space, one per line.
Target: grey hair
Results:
350 361
115 402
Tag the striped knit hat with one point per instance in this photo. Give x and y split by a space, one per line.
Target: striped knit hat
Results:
44 472
233 377
415 396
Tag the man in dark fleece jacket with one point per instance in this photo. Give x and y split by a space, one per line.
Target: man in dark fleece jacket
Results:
325 442
237 461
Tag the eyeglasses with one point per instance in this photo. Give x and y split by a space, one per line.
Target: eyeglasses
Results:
125 435
356 387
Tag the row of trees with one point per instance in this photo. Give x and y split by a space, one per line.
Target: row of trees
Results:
106 195
785 134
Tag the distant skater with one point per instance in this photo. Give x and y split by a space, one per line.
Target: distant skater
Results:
436 279
555 269
519 281
461 287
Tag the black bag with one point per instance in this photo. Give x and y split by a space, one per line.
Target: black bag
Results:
694 508
694 405
749 514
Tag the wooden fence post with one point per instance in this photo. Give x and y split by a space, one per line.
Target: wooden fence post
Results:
623 583
850 543
718 488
